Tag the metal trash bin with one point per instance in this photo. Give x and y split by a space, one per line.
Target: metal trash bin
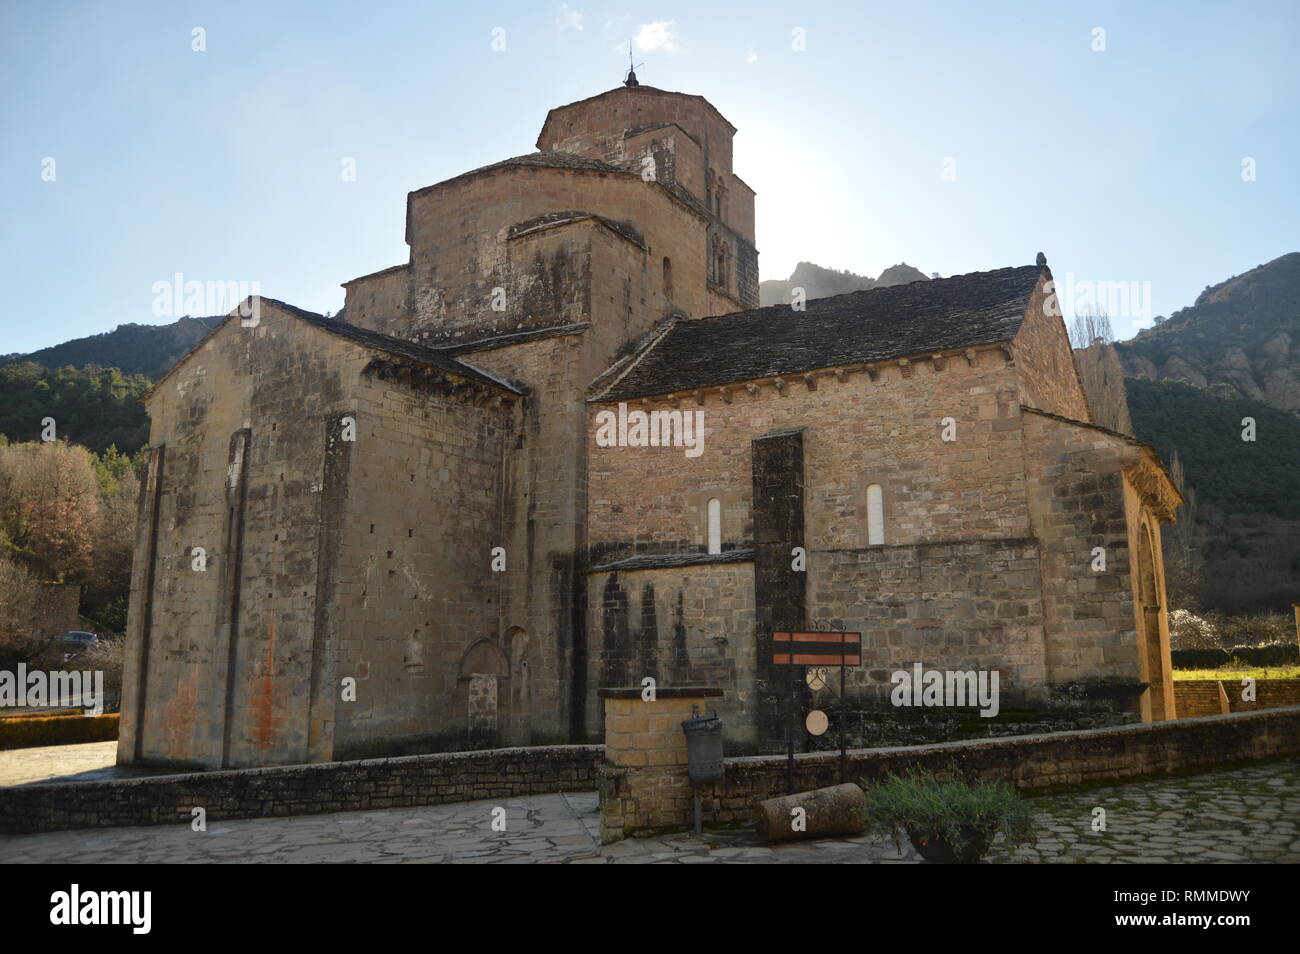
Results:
703 748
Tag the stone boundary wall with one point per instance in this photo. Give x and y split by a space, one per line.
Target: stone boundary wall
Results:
302 789
1031 763
1199 697
1194 698
1269 694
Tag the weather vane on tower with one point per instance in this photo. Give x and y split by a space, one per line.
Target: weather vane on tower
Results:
630 79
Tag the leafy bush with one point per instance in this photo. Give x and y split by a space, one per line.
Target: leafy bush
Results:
960 816
24 733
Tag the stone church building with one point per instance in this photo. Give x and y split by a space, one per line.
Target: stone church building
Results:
397 530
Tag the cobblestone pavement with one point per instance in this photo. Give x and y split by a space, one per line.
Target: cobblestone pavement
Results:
1243 815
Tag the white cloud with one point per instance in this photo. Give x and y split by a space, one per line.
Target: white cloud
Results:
568 18
751 57
658 37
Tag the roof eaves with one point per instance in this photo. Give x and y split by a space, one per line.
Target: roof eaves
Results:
383 271
523 162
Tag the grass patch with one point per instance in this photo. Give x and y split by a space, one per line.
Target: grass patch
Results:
1239 671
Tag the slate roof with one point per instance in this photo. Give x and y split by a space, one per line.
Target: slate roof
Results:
659 561
370 339
550 219
569 160
919 318
640 89
396 346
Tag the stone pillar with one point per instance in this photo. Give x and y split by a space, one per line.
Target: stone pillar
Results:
644 785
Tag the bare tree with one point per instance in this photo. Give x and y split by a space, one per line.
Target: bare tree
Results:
22 611
49 507
1091 326
1100 370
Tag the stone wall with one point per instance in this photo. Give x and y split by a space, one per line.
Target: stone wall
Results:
973 605
460 252
301 789
232 467
1077 500
544 592
597 127
682 626
379 301
879 428
644 783
414 588
948 588
323 559
1031 763
1044 362
1198 697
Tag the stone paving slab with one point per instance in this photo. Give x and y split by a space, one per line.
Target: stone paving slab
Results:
84 762
1243 815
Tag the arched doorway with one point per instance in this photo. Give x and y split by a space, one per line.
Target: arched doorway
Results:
484 678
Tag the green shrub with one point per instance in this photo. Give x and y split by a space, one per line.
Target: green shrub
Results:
954 821
25 733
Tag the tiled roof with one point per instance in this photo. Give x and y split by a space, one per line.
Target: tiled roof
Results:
874 325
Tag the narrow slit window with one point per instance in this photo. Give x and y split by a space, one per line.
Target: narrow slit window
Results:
875 516
715 525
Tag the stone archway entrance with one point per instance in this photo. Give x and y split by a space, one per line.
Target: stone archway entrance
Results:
1149 594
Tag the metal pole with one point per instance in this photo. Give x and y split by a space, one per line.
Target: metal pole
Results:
844 747
699 828
789 726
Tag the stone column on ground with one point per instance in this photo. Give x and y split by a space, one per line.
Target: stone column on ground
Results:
836 810
644 784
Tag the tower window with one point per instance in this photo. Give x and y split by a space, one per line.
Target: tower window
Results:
875 516
668 278
720 270
715 525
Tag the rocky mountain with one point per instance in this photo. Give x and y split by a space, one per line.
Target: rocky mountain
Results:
1191 381
818 282
1241 338
133 349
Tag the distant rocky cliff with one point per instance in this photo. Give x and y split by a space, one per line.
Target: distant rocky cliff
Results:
818 282
1241 338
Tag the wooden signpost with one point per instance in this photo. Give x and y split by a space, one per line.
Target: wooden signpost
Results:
815 649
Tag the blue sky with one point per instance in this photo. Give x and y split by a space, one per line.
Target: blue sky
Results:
1123 165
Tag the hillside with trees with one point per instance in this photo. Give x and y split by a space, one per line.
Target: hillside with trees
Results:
133 349
94 406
